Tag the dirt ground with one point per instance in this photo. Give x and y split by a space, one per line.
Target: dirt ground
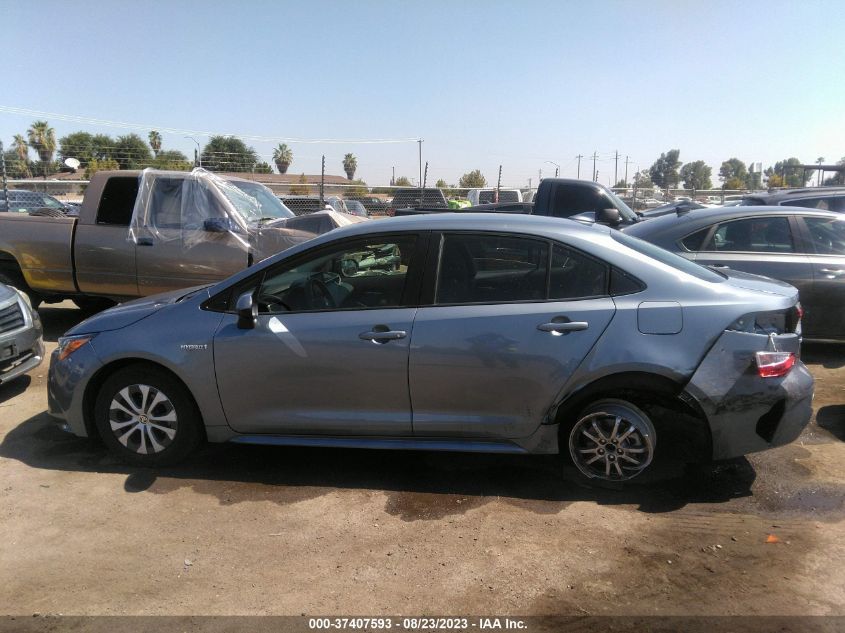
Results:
257 530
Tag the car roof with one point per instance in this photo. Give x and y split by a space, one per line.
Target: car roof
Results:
704 217
803 192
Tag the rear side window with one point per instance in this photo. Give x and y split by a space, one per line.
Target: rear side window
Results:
491 269
753 235
827 234
576 276
118 201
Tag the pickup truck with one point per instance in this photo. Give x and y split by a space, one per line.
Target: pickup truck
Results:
188 228
582 200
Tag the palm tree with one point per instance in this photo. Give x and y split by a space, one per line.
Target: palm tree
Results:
350 164
42 138
21 148
283 157
155 142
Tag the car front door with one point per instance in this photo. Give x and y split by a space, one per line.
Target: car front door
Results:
329 351
762 245
175 246
503 334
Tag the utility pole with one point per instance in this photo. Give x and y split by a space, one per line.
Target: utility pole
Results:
3 171
425 178
616 169
595 156
322 180
579 157
420 141
393 177
499 183
626 170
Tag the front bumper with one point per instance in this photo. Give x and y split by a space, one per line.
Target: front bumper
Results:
66 385
747 413
27 348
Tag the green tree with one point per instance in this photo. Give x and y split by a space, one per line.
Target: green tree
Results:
621 184
228 153
664 171
131 152
358 190
102 146
642 180
786 173
839 178
283 157
731 172
402 181
42 138
350 164
107 164
472 180
696 175
78 145
16 168
172 160
300 189
155 142
20 150
262 167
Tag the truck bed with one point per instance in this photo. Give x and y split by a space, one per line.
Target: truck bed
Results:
42 246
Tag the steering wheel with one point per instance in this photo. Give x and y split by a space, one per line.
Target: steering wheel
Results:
270 301
319 296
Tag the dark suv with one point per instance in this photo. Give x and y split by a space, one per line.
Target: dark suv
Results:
825 198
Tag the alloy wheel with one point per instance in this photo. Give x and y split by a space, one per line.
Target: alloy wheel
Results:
143 419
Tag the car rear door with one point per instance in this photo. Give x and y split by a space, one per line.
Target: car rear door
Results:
502 334
319 366
824 303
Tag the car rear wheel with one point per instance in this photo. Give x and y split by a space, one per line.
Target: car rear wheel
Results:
146 417
612 440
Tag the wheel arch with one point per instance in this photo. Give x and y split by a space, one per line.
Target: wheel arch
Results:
96 381
659 396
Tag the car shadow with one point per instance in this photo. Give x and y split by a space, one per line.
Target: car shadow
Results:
14 388
419 484
828 355
832 419
57 321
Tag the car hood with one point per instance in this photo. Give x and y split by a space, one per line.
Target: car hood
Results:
130 312
748 281
6 292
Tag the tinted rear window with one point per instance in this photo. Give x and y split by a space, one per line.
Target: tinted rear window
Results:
118 201
665 257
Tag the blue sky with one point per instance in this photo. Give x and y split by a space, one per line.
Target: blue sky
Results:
484 83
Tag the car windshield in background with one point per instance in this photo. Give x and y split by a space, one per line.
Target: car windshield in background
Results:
624 210
665 257
255 202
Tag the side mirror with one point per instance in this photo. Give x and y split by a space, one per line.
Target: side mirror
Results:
610 217
247 311
217 225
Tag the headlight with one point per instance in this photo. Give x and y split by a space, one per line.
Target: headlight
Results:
69 344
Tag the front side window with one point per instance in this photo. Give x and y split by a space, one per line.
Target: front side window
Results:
358 275
753 235
491 269
827 235
824 203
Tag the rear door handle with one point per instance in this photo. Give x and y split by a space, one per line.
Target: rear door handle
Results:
561 328
833 272
386 335
144 241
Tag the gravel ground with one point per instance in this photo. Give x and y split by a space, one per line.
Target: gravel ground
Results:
257 530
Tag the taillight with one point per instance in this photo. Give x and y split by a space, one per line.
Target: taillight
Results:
774 364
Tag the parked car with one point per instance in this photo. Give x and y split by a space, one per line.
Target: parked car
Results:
318 222
338 204
191 228
488 196
679 206
803 247
824 198
394 334
418 199
21 342
373 204
34 202
356 207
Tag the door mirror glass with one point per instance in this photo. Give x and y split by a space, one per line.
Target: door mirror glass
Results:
247 311
610 217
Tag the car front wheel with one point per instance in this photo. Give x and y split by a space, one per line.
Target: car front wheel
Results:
147 417
612 440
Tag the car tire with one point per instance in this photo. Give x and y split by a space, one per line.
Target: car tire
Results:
147 417
611 441
92 305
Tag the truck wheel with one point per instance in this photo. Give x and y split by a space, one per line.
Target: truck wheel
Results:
612 441
15 279
92 305
146 417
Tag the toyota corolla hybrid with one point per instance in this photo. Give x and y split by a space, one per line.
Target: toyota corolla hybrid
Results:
456 332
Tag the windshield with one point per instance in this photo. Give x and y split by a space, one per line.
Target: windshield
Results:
254 202
624 210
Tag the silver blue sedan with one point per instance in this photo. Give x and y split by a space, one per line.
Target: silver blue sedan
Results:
454 332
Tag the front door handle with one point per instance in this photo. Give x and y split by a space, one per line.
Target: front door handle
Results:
563 327
832 272
380 336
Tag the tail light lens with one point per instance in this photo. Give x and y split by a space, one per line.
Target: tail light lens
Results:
774 364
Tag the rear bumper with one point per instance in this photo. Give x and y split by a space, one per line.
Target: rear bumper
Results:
747 413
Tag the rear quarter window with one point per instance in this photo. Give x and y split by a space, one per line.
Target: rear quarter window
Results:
118 201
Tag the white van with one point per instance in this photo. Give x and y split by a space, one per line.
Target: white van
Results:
486 196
